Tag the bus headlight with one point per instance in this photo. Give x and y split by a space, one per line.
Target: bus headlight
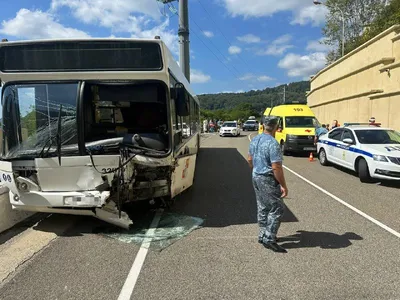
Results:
380 158
24 186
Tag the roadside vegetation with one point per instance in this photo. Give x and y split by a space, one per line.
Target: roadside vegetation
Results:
364 19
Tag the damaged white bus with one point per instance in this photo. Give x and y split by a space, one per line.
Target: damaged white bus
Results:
91 125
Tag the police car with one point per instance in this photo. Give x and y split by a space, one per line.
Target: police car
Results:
370 150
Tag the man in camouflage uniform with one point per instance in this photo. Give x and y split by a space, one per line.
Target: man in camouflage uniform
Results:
265 159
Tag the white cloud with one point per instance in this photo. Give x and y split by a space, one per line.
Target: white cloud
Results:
116 14
168 36
261 78
249 38
303 66
38 25
247 77
208 34
303 11
284 39
258 8
197 76
278 46
234 50
264 78
231 92
310 14
139 18
317 46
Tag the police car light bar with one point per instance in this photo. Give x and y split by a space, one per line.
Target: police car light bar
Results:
371 124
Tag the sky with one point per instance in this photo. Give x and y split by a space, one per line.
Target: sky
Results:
235 45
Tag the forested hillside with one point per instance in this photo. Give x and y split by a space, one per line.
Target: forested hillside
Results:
240 105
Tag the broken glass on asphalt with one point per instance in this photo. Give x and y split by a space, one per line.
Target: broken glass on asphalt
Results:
171 228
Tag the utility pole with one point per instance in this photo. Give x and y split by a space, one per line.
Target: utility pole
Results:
284 94
183 34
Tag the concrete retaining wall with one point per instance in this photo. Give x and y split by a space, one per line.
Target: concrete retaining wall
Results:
364 83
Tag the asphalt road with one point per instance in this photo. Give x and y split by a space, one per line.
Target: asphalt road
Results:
333 252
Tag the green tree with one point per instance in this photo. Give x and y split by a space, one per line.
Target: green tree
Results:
258 100
29 121
358 14
388 16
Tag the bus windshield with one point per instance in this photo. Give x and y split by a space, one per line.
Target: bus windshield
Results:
31 114
40 117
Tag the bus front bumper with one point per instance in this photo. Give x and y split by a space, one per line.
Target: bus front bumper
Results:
91 203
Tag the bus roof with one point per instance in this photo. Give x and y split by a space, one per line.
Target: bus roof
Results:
109 39
155 72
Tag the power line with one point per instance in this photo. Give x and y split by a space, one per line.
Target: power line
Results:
216 25
214 44
191 19
175 11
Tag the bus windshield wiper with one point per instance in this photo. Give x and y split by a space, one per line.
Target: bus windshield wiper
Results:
50 141
42 154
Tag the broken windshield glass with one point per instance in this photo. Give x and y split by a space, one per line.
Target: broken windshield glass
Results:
31 114
171 228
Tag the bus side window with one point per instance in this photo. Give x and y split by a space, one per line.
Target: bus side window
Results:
177 134
176 120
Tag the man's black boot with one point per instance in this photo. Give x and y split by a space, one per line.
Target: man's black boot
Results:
260 241
275 247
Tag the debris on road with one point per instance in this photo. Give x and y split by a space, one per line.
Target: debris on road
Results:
172 227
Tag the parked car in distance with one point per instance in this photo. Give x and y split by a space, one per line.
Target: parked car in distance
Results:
185 129
250 125
229 128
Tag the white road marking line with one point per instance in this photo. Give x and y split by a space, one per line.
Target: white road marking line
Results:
249 136
376 222
137 265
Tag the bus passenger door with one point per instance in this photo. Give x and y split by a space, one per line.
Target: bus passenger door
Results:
183 174
185 145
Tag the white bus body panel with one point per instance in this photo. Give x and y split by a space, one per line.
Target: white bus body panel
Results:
71 187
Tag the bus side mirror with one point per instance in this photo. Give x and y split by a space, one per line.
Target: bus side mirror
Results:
181 100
